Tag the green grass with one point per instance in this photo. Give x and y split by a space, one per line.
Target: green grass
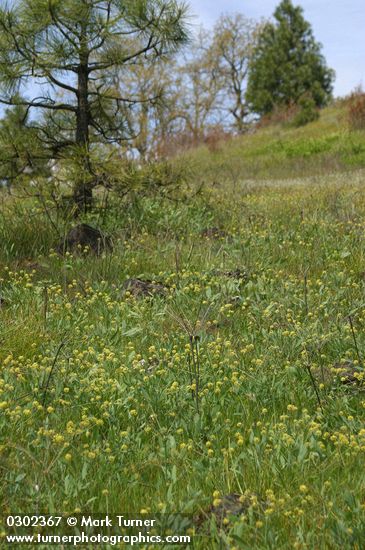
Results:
319 148
98 411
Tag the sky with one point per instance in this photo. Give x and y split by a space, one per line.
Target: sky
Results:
338 24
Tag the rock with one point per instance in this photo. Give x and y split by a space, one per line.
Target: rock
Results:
150 365
214 233
348 373
142 288
239 274
84 236
235 301
232 504
236 274
229 505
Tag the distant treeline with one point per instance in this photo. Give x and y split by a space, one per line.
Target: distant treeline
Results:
89 82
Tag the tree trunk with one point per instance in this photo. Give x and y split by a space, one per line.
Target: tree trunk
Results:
83 188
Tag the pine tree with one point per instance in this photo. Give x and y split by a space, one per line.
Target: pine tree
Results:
21 157
69 50
287 66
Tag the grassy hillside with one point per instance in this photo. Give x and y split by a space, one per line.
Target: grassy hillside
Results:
278 151
243 376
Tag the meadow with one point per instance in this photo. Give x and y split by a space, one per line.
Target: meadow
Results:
242 376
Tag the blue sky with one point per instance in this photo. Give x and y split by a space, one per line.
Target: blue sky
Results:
338 24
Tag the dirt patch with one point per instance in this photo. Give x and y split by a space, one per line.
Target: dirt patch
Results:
83 238
142 288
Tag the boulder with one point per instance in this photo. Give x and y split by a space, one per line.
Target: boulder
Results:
84 236
142 288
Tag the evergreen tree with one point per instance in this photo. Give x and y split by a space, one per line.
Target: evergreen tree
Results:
20 157
287 66
69 51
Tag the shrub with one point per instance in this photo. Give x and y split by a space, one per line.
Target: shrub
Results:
215 137
155 177
307 112
295 114
280 115
356 110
